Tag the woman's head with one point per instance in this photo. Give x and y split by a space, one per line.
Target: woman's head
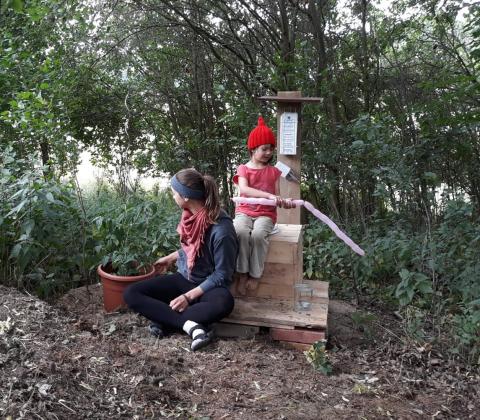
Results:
191 185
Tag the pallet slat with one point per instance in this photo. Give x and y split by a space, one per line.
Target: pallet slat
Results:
275 312
258 323
297 335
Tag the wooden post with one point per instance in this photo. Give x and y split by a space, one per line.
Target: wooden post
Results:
289 102
290 189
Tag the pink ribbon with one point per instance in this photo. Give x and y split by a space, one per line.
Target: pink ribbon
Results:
317 213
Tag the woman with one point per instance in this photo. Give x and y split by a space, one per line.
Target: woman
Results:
197 295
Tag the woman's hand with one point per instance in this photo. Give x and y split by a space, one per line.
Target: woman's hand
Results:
162 264
180 303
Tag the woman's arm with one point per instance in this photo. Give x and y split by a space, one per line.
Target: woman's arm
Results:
180 303
224 251
163 263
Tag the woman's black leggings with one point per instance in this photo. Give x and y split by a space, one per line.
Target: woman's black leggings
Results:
151 298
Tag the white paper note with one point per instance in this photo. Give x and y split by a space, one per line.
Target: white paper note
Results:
288 133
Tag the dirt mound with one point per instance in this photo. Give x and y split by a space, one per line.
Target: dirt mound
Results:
74 361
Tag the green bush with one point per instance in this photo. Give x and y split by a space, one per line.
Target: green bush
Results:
432 275
52 237
133 231
42 229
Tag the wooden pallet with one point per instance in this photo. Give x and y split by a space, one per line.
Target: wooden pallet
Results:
271 305
300 329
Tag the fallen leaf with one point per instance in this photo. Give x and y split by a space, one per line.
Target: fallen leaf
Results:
43 389
86 386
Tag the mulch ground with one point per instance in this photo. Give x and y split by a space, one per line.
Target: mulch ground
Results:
72 360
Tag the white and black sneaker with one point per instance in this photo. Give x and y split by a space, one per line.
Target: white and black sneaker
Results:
200 335
156 330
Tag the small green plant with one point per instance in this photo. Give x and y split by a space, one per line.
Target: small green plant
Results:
467 327
317 356
412 283
363 322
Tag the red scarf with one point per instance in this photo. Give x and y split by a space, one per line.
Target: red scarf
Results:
192 229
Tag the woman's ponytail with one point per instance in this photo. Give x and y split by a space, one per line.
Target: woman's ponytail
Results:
212 202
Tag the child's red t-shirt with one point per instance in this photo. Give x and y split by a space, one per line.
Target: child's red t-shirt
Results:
261 179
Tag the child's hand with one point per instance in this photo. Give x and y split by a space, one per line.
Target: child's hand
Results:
277 199
288 203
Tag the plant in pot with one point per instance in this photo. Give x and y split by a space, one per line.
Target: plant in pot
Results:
130 236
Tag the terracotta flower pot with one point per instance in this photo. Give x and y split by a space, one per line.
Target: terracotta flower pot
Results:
113 285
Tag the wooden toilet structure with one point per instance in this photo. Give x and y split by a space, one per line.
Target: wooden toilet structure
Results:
272 304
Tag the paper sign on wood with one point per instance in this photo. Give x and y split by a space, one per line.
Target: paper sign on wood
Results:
288 133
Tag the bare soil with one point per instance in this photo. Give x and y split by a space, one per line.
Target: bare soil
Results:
72 360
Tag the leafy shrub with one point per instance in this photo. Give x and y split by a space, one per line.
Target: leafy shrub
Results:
133 231
432 275
52 237
42 228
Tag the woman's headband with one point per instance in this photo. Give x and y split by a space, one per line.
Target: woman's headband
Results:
185 191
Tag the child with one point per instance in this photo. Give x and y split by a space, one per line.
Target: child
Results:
254 223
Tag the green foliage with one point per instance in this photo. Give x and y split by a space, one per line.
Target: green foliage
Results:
412 283
51 237
364 321
466 325
429 274
35 79
317 356
132 232
42 229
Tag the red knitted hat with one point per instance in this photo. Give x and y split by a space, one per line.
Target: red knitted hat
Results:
261 134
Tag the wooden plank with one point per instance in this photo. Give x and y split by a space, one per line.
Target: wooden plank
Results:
297 335
290 189
285 244
277 273
282 252
276 312
258 324
284 265
277 282
272 291
288 233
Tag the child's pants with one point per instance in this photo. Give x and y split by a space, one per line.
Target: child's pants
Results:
253 237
